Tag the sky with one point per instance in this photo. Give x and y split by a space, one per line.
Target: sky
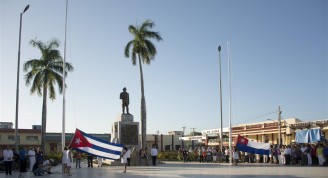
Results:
278 57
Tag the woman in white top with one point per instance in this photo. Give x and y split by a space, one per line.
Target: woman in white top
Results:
235 155
67 160
124 158
31 156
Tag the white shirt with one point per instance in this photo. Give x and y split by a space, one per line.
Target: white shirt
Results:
153 152
31 153
288 151
128 154
8 155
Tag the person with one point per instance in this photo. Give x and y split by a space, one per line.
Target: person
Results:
185 155
31 156
67 160
78 159
39 155
22 159
15 160
128 156
99 159
235 156
123 158
90 159
40 167
125 100
321 158
304 151
154 154
37 170
288 153
8 159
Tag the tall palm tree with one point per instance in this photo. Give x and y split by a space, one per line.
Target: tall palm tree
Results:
43 74
142 47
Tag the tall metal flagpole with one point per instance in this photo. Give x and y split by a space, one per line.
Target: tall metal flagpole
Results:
221 134
230 130
64 72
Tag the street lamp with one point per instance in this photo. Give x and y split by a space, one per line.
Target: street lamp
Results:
279 126
17 88
221 135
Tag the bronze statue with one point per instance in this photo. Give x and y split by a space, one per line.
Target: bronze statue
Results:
125 100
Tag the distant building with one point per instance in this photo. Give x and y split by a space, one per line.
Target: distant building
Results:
6 125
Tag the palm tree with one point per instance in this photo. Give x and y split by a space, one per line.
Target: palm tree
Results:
43 74
142 47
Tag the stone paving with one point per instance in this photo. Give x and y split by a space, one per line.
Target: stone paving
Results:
186 170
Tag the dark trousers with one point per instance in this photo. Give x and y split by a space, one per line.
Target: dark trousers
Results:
201 159
8 166
23 164
129 160
90 164
154 159
287 159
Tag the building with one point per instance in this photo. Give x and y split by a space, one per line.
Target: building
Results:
267 132
32 138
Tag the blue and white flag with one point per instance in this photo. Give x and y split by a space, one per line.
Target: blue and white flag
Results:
243 144
91 145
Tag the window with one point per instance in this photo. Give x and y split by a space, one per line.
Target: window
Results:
31 138
11 137
167 147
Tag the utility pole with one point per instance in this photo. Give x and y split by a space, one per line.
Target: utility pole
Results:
279 126
183 136
193 134
193 131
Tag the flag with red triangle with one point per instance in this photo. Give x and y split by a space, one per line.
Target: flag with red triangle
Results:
89 144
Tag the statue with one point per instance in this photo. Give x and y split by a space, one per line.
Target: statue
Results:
125 100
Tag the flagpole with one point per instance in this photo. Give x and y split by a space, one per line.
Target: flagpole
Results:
230 130
64 71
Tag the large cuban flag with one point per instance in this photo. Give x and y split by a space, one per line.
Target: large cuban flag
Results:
243 144
88 144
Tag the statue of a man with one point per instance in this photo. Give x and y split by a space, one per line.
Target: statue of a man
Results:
125 100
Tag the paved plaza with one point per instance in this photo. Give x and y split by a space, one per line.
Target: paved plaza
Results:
187 170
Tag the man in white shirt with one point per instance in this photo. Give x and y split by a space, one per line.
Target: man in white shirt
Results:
288 153
8 158
31 156
154 154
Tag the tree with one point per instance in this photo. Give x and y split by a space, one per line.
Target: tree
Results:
43 74
142 47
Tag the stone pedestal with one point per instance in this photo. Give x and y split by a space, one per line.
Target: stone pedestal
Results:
125 131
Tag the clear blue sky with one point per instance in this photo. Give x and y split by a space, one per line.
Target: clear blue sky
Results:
278 58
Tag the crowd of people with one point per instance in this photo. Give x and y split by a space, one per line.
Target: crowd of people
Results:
293 154
32 160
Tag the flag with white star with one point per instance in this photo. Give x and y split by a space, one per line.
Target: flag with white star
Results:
89 144
246 145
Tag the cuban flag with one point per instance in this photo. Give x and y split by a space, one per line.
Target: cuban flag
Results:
243 144
88 144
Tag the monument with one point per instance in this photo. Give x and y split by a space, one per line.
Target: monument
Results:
124 130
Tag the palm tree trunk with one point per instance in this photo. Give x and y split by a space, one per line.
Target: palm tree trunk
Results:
44 119
143 108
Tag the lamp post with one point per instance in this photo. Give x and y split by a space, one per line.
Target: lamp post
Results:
279 125
17 85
